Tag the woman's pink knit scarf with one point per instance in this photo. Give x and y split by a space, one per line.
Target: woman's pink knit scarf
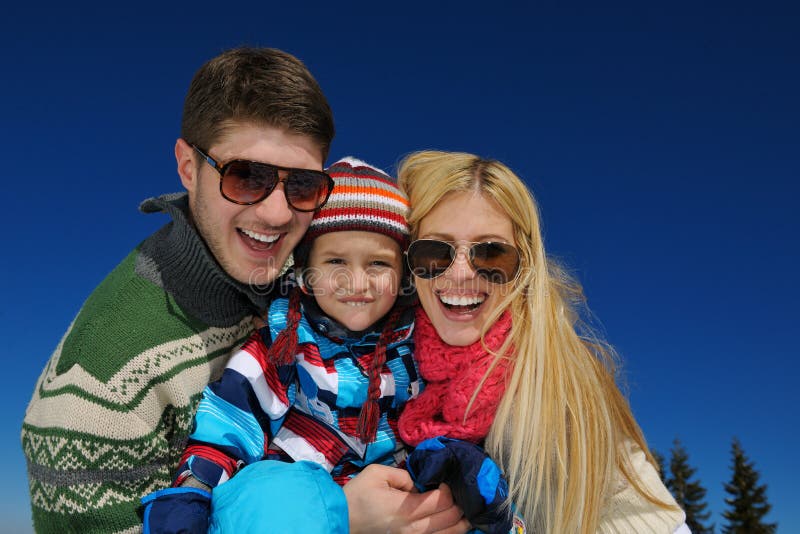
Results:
451 375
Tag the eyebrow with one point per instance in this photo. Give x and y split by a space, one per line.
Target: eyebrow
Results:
475 239
377 252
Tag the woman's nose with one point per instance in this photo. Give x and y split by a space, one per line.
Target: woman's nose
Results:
461 268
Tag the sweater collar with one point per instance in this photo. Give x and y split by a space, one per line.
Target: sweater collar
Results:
178 259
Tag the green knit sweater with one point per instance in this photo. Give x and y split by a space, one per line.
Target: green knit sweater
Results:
112 408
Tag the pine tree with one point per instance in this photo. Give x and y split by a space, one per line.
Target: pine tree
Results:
748 500
690 495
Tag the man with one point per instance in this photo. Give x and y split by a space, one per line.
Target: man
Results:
112 409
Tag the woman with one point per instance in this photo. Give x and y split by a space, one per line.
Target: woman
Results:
563 434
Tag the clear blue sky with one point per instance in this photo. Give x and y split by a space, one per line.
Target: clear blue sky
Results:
662 143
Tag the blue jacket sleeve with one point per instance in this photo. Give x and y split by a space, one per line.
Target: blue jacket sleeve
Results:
477 484
270 496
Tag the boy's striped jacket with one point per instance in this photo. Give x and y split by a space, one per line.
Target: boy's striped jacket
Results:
307 410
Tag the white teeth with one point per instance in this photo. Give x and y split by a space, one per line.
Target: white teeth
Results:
455 300
356 304
261 237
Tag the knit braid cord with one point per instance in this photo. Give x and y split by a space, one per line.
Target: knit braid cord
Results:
370 413
284 347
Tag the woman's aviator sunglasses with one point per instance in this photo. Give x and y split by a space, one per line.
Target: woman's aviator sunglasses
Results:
495 261
249 182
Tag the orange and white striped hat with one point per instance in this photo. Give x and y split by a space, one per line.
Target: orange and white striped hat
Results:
364 198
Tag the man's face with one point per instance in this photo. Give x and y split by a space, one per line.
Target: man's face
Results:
250 242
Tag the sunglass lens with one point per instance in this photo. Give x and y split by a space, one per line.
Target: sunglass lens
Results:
497 262
306 190
429 258
248 182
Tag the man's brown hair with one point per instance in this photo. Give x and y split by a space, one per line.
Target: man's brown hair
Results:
258 85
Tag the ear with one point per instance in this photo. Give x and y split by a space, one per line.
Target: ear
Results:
187 164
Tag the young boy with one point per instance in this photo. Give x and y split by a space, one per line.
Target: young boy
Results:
325 379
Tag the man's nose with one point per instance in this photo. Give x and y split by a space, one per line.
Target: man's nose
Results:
275 210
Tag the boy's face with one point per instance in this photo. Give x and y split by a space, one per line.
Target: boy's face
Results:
354 276
250 242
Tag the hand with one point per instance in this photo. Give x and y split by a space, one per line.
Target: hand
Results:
383 499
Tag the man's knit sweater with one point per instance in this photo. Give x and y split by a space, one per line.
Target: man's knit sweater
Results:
111 411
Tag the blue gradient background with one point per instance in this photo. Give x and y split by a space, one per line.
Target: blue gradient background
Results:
662 143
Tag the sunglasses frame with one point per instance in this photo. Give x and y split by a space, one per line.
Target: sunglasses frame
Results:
470 257
221 169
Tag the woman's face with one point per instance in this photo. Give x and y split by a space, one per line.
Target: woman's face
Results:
459 301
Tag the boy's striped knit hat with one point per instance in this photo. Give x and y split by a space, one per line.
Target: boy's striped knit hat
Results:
364 198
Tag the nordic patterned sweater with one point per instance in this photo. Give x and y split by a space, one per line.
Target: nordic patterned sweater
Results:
111 411
306 410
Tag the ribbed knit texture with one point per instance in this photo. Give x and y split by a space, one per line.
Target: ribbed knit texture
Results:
628 512
111 410
177 258
364 198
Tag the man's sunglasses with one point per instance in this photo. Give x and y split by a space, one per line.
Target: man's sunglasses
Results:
496 262
249 182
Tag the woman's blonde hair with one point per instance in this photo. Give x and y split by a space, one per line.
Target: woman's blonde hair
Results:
559 430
